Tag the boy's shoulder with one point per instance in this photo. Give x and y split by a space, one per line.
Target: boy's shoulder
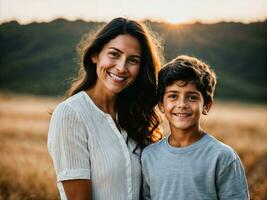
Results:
153 148
223 150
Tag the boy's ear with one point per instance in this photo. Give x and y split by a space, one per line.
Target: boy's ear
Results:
206 108
161 108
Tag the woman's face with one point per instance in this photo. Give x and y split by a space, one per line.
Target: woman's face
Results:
117 64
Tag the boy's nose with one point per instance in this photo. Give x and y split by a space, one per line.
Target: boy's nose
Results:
182 103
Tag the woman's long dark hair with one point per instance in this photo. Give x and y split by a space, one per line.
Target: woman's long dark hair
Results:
135 104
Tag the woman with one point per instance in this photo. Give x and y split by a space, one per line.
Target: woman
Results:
96 135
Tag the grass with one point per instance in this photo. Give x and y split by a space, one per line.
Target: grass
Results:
26 170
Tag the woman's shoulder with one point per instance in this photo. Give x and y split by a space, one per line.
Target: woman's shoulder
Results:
76 99
72 102
70 106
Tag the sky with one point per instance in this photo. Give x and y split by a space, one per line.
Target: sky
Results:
173 11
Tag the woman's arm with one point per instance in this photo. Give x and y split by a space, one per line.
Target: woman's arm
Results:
80 189
68 147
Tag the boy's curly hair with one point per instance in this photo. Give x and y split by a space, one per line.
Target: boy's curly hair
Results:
187 70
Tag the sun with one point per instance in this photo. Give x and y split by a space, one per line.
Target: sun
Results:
177 19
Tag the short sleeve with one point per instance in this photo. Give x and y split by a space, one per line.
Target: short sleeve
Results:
145 190
231 183
67 144
145 183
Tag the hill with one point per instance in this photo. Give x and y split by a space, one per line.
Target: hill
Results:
40 58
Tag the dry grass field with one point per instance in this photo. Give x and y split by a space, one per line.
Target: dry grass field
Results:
26 171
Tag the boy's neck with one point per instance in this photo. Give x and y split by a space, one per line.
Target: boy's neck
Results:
183 138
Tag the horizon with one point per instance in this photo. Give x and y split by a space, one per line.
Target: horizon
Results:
169 11
142 20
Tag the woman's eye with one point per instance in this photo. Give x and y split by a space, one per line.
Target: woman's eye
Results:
133 61
114 54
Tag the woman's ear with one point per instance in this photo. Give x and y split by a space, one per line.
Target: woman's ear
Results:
161 108
94 58
206 108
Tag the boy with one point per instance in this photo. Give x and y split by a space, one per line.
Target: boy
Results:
190 164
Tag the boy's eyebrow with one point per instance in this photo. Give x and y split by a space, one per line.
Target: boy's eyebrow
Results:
114 48
198 93
172 91
175 91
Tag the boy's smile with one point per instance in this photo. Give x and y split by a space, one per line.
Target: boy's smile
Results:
183 106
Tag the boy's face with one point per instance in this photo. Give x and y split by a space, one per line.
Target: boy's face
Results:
183 106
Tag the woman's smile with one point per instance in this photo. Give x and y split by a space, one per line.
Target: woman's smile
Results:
116 78
117 64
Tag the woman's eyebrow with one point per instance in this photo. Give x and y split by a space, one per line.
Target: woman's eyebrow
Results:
116 49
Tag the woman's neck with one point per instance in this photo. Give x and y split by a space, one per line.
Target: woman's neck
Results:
104 102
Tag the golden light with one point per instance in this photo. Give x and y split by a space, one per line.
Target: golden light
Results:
175 19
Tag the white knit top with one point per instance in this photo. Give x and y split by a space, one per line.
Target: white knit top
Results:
85 143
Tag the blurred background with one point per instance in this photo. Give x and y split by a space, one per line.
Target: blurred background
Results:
38 40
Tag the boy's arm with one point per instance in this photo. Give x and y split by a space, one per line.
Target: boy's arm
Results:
145 190
232 183
145 183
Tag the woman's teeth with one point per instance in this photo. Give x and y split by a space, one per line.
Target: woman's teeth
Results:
115 77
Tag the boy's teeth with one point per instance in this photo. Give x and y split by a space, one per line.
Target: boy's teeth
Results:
181 115
116 77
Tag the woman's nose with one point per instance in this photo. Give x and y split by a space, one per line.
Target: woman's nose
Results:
121 65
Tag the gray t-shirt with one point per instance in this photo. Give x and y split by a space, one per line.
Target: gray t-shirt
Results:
205 170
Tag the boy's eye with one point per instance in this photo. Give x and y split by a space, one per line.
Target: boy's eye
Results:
193 98
172 96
